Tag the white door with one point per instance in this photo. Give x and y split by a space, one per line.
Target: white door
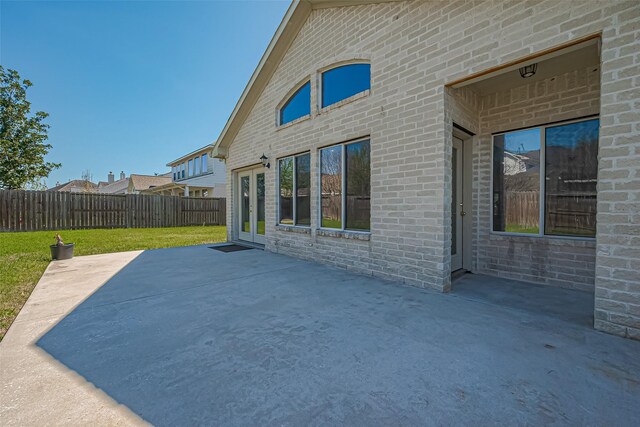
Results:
457 208
251 209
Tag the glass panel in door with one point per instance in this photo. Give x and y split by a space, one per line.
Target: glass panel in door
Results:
260 199
245 203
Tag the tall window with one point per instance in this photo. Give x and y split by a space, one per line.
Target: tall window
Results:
299 105
205 167
555 166
345 186
294 181
190 168
196 163
175 175
182 170
342 82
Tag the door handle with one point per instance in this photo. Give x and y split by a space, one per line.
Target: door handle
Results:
463 213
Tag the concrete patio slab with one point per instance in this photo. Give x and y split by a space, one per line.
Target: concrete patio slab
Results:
36 389
194 336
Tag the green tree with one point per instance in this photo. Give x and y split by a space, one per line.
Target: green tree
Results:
23 135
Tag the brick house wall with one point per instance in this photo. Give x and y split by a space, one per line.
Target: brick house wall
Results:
566 262
415 48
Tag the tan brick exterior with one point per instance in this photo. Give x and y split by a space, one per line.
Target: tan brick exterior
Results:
555 261
415 48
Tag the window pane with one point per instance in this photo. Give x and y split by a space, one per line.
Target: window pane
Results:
297 106
358 203
516 182
331 186
196 162
571 175
286 190
190 169
204 163
342 82
260 200
303 190
245 226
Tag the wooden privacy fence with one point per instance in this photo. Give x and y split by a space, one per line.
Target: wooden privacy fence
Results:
49 210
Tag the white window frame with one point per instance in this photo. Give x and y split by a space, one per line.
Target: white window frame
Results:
295 190
343 169
205 165
196 166
543 173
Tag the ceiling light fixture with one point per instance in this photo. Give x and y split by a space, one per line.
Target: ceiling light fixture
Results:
528 70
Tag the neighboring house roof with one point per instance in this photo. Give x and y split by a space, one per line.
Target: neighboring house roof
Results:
117 187
206 149
144 182
75 185
287 31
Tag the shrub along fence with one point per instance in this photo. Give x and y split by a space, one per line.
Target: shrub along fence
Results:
50 210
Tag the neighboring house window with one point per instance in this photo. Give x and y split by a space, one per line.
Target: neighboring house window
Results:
556 166
343 82
190 167
345 186
294 181
182 170
299 105
197 164
205 168
173 170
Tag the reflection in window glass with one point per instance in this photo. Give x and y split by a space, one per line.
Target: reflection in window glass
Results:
303 190
260 201
182 170
331 186
358 186
342 82
196 163
190 168
297 106
204 163
286 190
516 182
244 188
571 172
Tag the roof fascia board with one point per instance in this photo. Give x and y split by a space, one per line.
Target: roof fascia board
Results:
193 153
291 24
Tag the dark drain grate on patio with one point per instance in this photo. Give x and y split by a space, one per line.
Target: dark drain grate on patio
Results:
230 248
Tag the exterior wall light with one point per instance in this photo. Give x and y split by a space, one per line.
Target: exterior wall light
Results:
265 161
528 70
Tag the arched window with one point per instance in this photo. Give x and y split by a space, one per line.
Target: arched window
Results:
342 82
299 105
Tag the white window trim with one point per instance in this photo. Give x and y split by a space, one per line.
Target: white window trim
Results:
541 202
295 191
343 169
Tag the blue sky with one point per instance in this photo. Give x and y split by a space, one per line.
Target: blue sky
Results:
131 85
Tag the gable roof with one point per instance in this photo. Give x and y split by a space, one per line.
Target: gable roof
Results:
75 183
144 182
291 24
116 187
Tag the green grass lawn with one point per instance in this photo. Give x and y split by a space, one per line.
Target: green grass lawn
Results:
261 226
516 228
25 256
